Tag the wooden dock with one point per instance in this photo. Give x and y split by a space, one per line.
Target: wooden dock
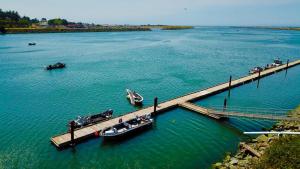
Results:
63 140
220 114
198 109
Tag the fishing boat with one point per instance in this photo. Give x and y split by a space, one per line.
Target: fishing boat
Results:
269 66
31 44
277 62
57 65
82 121
128 127
255 70
134 97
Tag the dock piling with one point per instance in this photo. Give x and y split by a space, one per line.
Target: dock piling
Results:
72 126
258 78
287 66
155 105
229 87
225 104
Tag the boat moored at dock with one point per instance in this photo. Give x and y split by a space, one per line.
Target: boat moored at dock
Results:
84 133
128 127
255 70
277 62
134 97
82 121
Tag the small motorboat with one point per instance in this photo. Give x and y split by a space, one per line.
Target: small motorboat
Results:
269 66
255 70
57 65
277 62
31 44
128 127
82 121
134 97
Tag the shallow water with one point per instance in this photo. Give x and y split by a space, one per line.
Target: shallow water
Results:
36 104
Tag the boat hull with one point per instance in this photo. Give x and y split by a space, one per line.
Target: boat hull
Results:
127 134
134 98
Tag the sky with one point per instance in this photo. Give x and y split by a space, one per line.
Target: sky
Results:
173 12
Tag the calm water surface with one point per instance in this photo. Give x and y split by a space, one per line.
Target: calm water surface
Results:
36 104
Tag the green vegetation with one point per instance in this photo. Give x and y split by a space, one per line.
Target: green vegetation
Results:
283 153
11 19
63 30
168 27
288 28
12 22
275 152
57 21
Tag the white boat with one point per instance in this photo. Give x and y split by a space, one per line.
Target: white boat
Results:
134 97
81 121
277 62
255 70
128 127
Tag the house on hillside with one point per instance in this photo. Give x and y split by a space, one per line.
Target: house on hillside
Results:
43 23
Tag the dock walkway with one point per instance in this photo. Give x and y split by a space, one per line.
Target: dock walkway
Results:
86 132
220 114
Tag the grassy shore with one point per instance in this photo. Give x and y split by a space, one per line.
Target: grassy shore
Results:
62 30
275 152
168 27
97 29
176 27
288 28
280 28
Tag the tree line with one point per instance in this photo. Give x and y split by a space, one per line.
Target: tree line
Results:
12 19
9 19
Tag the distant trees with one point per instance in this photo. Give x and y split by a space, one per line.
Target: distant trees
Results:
10 19
12 15
57 22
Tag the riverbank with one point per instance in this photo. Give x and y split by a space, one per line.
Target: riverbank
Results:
268 151
279 28
288 28
64 30
169 27
96 29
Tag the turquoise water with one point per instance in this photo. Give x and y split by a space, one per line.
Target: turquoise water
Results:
36 104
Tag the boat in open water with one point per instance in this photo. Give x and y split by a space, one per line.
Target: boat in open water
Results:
82 121
57 65
134 97
31 44
128 127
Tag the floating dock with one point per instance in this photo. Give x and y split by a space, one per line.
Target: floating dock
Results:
201 110
224 114
64 140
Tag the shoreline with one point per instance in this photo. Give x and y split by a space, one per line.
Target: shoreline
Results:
280 28
251 153
99 29
72 30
